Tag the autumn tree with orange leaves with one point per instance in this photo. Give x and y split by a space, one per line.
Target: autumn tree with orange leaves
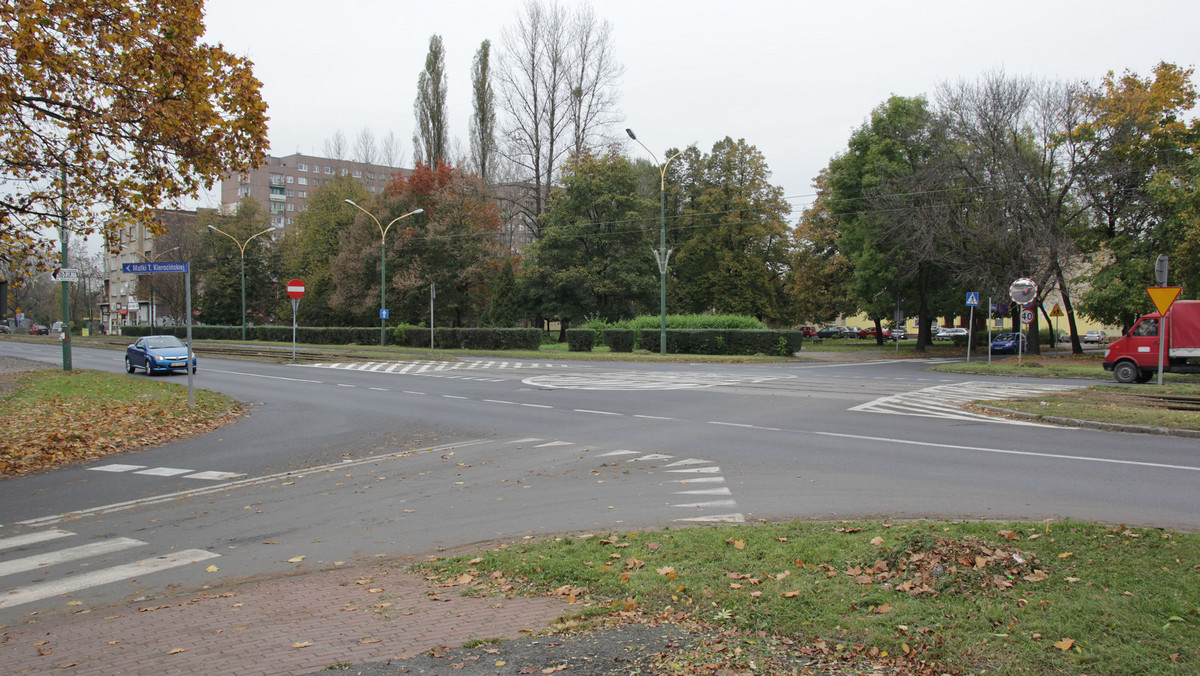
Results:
453 244
109 110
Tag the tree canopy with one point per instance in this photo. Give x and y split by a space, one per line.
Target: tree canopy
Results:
110 109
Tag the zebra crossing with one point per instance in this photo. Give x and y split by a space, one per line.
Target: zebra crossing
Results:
697 483
28 559
452 369
144 470
946 401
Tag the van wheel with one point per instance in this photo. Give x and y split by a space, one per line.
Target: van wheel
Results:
1126 372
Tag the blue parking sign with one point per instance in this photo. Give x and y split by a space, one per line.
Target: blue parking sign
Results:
972 298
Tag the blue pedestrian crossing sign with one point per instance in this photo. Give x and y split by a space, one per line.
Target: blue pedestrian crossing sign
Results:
972 298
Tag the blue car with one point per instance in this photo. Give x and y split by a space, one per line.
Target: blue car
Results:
157 354
1007 342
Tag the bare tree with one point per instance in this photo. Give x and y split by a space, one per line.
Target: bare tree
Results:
365 150
336 146
592 81
429 141
390 152
483 115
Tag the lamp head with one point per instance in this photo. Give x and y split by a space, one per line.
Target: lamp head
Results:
211 227
418 211
631 134
351 202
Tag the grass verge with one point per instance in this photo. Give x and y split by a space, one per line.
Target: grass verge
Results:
1120 404
54 418
919 597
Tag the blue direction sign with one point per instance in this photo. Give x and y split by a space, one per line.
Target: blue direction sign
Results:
151 268
972 298
383 314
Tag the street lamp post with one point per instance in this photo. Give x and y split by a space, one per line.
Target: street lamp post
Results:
662 255
383 264
151 259
242 248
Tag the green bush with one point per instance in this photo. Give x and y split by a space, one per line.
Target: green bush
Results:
619 340
581 340
721 341
694 321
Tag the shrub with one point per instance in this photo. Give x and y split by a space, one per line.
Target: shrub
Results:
581 340
619 340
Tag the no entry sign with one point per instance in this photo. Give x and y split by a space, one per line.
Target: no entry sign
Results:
295 288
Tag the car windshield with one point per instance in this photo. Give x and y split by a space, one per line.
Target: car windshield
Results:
1006 336
163 342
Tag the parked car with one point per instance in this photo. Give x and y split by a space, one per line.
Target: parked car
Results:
1009 342
948 333
870 333
4 328
1097 337
807 331
39 330
851 332
899 333
830 332
156 354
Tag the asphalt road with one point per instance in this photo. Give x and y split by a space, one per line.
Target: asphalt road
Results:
340 462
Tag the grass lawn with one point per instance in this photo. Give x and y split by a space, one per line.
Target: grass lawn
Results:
922 597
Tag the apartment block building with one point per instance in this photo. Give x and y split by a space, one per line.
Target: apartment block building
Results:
283 184
124 300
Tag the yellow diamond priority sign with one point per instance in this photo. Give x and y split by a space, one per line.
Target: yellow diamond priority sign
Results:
1164 297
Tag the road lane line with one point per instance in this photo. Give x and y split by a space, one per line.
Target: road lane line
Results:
584 410
1003 451
258 375
37 592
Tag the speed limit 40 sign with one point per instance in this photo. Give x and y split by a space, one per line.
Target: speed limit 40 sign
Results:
1026 316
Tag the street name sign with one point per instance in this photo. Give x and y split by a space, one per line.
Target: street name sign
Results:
152 268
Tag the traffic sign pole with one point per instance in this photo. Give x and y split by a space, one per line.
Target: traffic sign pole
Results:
295 289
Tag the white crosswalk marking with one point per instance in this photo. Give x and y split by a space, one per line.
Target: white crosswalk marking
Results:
167 472
945 401
36 566
426 367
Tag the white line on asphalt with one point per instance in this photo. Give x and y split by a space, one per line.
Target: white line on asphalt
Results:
653 417
622 452
258 375
699 480
452 396
537 406
346 385
411 392
379 389
1003 451
67 555
729 424
164 471
584 410
252 481
716 518
498 401
33 538
713 503
215 476
37 592
116 467
724 490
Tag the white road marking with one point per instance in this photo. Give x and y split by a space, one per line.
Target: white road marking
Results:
117 467
550 444
653 417
537 406
651 456
700 480
214 476
164 471
37 592
729 424
605 455
67 555
714 503
696 470
724 490
716 518
258 375
33 538
584 410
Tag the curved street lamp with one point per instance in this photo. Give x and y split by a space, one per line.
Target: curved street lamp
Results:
151 259
663 254
242 249
383 264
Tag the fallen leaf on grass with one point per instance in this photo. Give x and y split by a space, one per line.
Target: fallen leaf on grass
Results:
302 644
737 544
1065 644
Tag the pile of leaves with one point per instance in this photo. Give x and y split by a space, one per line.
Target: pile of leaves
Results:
53 418
931 565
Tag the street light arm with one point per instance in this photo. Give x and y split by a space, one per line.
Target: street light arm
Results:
411 213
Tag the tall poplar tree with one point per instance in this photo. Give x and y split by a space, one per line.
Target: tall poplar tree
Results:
483 115
430 141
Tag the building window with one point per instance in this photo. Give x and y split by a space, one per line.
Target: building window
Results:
276 179
291 207
316 168
302 166
303 194
291 179
370 175
357 173
290 221
328 170
303 180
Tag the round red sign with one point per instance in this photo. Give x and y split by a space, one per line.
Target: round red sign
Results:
295 288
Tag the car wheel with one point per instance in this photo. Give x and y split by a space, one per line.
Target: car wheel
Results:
128 366
149 371
1126 372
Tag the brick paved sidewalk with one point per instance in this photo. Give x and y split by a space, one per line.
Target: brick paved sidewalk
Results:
296 625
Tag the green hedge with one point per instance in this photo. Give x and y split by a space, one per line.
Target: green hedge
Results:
619 340
581 340
720 341
446 338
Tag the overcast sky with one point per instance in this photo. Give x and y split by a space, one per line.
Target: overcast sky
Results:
792 78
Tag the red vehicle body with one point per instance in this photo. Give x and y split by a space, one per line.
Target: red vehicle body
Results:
1134 357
